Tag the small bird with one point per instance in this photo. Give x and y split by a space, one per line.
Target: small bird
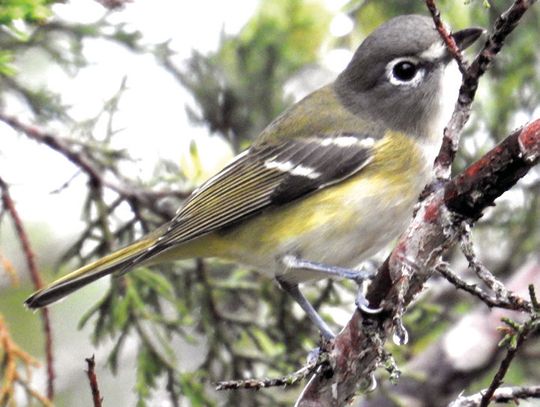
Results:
329 183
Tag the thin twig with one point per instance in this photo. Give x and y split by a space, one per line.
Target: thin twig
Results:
501 395
473 289
477 266
446 36
88 165
174 395
318 365
45 402
9 205
503 26
521 335
10 270
92 379
500 290
10 356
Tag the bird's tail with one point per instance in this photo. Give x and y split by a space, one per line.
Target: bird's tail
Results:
120 260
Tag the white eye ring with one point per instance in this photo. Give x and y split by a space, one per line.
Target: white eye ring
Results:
413 81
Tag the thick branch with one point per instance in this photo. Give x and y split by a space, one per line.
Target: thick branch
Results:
465 352
358 348
497 171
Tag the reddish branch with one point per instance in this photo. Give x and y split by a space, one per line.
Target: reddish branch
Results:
92 379
498 170
357 350
446 36
9 206
504 25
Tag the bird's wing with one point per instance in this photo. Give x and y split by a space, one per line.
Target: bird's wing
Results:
267 176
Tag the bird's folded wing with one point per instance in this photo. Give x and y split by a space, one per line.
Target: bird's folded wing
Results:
267 176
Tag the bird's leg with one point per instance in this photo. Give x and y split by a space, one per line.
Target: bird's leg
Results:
293 290
293 262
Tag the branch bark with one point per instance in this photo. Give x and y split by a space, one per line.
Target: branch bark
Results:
358 349
92 380
467 350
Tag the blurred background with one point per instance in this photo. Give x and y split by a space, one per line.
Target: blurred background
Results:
158 95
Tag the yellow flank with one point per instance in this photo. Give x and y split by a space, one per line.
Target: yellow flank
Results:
323 223
333 210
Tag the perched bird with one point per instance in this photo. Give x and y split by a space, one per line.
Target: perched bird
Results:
328 183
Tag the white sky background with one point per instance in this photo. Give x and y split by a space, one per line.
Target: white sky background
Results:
154 126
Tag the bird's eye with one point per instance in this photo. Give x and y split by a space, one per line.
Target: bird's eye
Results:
404 72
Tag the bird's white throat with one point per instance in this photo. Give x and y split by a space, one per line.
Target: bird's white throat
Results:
446 103
449 91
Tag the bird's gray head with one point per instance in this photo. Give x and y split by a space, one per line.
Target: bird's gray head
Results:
403 77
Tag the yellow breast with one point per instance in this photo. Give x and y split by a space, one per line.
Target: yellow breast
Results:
341 224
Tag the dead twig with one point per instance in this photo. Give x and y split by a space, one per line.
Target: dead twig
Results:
501 395
500 290
92 380
473 289
319 365
10 357
516 336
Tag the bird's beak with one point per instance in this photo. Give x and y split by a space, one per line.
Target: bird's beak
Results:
467 37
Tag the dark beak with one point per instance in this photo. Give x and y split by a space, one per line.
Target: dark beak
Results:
467 37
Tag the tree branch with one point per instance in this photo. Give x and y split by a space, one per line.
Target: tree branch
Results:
9 205
446 36
503 26
10 356
462 355
435 228
473 289
516 338
82 160
92 380
501 395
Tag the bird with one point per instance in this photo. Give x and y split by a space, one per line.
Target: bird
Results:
327 184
